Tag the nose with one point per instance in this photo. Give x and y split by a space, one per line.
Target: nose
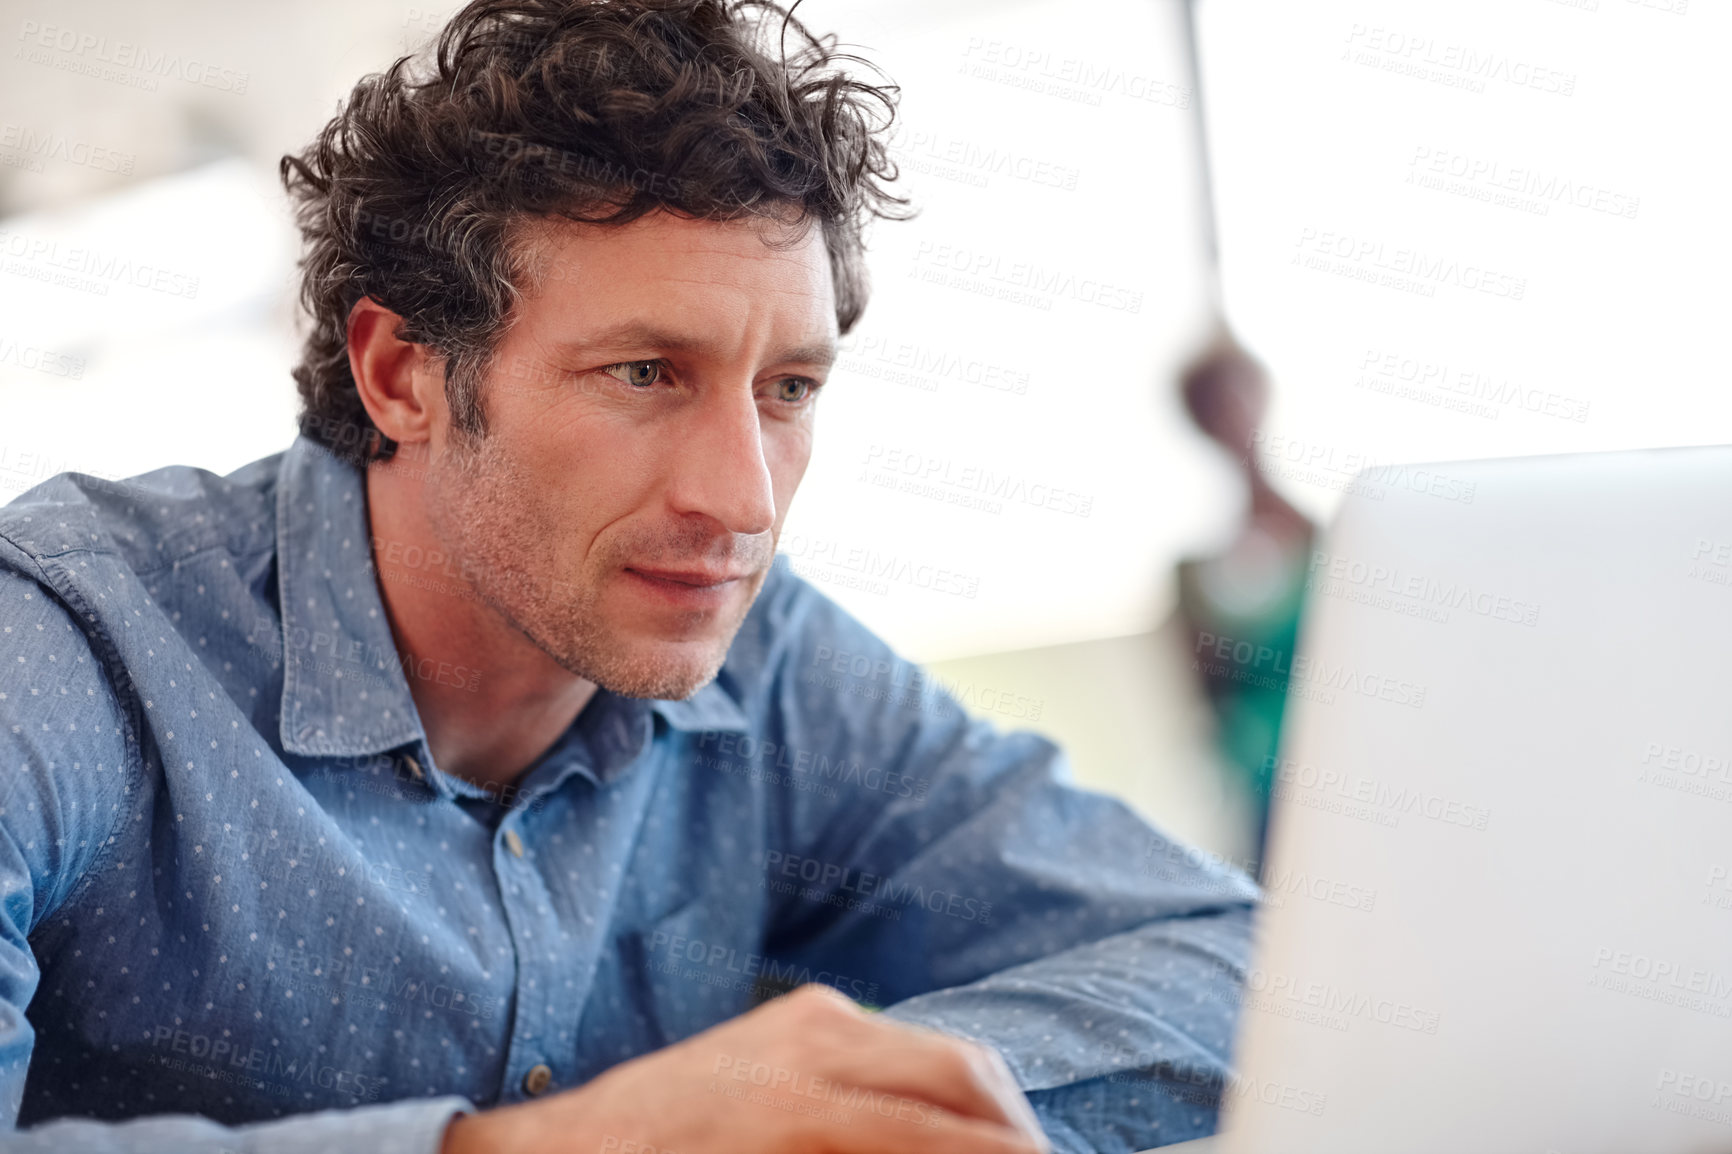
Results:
720 467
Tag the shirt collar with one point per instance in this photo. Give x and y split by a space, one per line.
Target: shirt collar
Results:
344 693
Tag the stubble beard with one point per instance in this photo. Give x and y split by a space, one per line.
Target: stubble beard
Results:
483 507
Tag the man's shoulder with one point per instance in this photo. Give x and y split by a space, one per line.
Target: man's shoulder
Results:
787 605
148 521
792 626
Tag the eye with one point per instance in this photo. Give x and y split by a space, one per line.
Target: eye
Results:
793 390
638 374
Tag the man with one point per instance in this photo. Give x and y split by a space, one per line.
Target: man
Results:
470 776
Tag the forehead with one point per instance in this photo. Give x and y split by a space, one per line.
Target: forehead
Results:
750 271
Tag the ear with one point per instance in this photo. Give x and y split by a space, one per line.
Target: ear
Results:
402 385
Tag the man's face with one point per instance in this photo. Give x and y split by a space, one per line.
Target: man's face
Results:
649 416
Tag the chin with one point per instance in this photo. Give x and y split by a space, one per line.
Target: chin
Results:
663 670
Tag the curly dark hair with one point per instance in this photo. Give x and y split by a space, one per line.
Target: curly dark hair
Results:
418 192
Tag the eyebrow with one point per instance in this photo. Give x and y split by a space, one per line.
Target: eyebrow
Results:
637 335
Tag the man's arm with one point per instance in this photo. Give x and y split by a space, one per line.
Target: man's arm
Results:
69 776
996 902
1120 1044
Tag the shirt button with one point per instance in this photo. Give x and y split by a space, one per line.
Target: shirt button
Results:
536 1082
516 844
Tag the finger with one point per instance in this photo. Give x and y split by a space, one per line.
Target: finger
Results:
1001 1080
961 1076
932 1131
907 1059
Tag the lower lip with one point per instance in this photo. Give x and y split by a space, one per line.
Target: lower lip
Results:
684 596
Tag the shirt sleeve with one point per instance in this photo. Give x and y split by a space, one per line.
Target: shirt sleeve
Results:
415 1126
65 775
989 898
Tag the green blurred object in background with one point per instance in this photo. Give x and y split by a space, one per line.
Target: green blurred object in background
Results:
1243 604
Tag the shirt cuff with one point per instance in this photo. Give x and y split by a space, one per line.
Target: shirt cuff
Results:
412 1126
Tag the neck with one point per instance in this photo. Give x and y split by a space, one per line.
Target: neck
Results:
490 700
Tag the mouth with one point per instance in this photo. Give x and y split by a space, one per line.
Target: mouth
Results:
688 588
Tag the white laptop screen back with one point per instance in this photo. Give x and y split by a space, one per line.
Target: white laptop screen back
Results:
1500 874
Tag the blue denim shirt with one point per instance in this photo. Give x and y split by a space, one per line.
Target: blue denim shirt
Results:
235 887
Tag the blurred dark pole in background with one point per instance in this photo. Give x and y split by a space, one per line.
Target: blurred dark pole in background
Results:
1241 605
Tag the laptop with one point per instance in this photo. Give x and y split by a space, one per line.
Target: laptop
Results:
1499 878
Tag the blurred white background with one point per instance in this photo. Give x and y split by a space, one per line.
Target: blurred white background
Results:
1451 230
1602 125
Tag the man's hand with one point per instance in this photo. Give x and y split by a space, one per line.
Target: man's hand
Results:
806 1073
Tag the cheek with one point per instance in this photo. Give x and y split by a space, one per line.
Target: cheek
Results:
787 452
587 462
570 489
